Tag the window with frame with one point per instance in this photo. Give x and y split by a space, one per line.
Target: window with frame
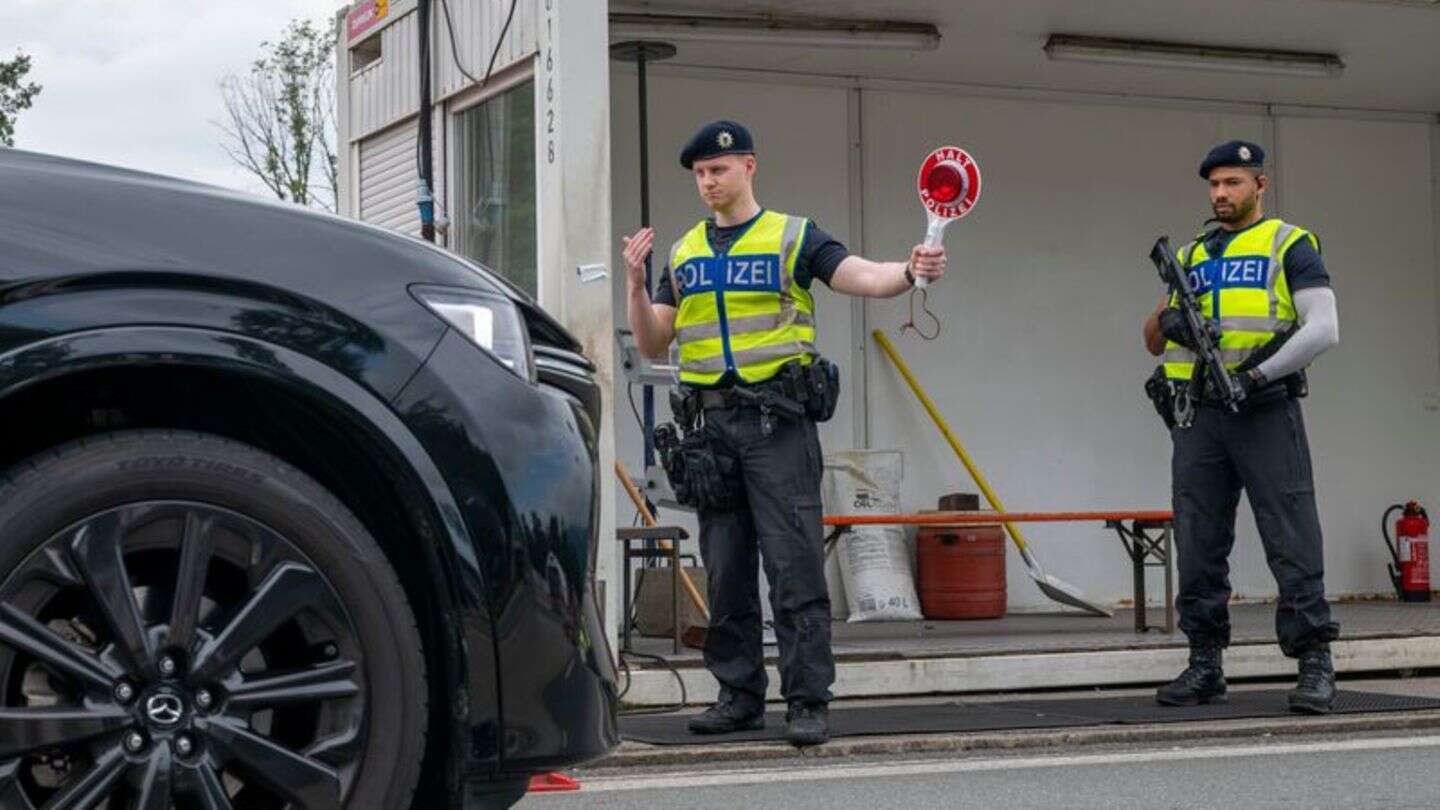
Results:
495 193
365 53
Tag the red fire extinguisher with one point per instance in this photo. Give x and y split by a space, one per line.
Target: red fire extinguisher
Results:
1411 551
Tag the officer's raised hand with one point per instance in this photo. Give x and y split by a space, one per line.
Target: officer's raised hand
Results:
927 262
637 247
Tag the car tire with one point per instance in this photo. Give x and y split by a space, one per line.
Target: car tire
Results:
157 481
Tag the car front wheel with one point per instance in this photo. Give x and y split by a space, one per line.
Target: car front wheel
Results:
186 621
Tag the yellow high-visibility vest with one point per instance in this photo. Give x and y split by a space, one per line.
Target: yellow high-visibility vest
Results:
1244 290
741 310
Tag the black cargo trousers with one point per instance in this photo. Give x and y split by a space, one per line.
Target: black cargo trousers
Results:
1265 451
777 520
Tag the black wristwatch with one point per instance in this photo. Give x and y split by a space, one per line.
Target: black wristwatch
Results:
909 276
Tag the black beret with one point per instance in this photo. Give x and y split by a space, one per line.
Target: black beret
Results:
1244 154
713 140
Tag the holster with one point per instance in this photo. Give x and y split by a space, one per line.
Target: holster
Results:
701 474
685 404
815 386
1162 395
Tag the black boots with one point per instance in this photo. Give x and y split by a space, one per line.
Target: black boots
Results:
807 724
1315 691
1201 682
726 717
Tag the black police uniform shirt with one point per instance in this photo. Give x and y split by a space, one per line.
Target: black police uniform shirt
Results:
1303 265
820 254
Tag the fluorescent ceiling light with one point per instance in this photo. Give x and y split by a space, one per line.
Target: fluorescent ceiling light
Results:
813 32
1435 4
1197 57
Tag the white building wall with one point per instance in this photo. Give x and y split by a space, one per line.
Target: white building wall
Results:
1041 373
1040 365
389 90
379 103
1365 188
477 26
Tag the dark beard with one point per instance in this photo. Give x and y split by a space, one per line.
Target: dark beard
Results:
1237 214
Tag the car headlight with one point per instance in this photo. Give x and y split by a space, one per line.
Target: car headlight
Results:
491 322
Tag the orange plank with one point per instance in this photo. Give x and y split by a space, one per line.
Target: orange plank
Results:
965 518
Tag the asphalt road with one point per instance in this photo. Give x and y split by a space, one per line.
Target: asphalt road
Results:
1388 772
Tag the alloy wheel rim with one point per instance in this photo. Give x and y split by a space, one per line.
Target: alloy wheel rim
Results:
161 650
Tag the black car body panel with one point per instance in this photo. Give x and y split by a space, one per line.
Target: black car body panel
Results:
549 644
106 268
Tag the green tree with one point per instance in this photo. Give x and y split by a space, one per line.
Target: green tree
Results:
280 116
14 95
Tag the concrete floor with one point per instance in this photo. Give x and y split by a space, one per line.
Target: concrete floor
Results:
1074 632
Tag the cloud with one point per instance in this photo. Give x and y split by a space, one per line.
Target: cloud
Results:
137 84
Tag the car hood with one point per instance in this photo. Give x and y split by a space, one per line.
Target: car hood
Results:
61 217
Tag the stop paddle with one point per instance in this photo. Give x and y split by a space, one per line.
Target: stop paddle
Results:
949 185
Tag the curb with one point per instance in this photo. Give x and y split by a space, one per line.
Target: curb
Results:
641 755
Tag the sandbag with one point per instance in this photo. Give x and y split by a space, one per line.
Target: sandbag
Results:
876 564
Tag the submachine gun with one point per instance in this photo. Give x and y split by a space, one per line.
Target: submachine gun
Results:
1205 339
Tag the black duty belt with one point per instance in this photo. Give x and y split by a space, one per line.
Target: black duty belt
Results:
796 392
768 398
1293 386
714 398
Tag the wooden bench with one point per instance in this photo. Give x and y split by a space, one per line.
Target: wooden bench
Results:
1145 535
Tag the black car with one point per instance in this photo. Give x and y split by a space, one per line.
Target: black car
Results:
297 512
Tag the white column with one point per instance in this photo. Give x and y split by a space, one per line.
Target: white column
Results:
343 147
572 98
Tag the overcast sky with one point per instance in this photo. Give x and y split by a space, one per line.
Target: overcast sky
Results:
136 83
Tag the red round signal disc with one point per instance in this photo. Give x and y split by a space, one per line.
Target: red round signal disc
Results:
945 182
949 182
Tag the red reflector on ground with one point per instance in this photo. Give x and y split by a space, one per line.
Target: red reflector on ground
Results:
552 783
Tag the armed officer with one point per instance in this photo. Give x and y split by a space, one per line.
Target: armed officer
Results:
736 294
1263 281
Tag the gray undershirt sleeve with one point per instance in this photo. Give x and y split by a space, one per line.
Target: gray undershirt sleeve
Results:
1319 330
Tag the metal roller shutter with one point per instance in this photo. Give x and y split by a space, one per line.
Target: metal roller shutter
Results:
388 180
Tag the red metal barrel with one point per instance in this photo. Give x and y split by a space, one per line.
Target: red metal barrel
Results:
962 571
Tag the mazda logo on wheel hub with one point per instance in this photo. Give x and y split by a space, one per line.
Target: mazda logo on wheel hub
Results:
164 709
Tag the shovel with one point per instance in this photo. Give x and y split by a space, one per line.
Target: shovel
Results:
1050 585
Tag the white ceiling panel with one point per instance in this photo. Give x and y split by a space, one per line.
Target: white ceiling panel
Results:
1390 50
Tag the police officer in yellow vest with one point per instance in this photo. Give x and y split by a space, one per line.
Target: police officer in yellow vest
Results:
736 294
1263 281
